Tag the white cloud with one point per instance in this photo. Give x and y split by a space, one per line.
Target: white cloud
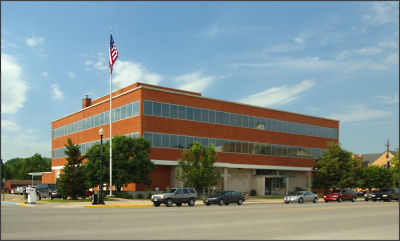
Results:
368 50
195 81
127 72
45 74
71 74
388 99
99 63
359 113
278 95
299 40
10 125
382 13
33 41
57 94
13 86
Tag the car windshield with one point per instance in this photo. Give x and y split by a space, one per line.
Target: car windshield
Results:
336 191
53 186
217 194
171 190
384 189
296 194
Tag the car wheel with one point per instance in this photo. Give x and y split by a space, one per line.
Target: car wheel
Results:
207 204
39 197
227 203
340 199
221 202
301 200
156 204
240 202
169 203
353 199
178 204
374 200
191 202
315 200
326 201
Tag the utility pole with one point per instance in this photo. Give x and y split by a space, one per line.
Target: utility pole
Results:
388 164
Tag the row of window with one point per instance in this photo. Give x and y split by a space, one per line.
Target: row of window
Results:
84 147
218 117
117 114
184 142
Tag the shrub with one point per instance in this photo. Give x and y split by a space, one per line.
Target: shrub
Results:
253 192
140 196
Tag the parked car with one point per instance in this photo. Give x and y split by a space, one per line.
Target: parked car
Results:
362 193
301 196
47 190
385 194
224 197
175 195
368 195
341 195
20 190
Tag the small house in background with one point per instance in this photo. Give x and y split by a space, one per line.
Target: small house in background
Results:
13 183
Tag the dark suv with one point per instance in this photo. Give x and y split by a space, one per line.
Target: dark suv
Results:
47 190
175 195
386 194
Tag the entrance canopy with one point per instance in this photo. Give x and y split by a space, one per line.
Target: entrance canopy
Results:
36 174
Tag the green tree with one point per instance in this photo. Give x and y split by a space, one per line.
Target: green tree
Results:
197 167
373 177
394 170
19 168
336 169
130 162
72 181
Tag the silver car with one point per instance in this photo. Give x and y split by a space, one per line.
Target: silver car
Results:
301 196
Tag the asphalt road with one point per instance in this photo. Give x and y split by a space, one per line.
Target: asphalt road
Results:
333 220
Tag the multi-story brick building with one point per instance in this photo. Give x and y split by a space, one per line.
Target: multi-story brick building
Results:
258 148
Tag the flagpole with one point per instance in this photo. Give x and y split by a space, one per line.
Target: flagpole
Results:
111 127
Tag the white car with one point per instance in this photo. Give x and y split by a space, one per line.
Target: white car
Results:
301 196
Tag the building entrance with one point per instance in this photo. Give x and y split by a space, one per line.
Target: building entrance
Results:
275 186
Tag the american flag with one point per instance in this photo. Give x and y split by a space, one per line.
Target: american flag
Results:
113 53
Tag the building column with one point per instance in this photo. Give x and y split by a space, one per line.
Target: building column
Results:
225 178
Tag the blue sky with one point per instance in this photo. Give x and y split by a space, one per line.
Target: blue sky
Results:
337 60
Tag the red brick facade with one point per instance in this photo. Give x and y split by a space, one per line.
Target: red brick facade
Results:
142 123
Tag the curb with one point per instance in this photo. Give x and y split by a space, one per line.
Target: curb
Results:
116 205
19 204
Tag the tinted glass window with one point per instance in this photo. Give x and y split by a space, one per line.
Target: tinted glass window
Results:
129 110
136 108
165 110
117 114
185 191
123 112
97 120
245 121
218 117
156 108
181 142
181 112
189 141
211 116
204 115
197 114
156 140
192 190
179 191
251 122
165 140
148 107
173 111
173 141
239 120
189 113
225 118
232 119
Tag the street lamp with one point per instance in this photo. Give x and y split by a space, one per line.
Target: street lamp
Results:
100 200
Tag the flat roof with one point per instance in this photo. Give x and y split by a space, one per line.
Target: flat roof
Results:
180 92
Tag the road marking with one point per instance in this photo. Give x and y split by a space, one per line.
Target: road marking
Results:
14 203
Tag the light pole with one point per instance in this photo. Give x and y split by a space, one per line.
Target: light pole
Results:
100 200
388 164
